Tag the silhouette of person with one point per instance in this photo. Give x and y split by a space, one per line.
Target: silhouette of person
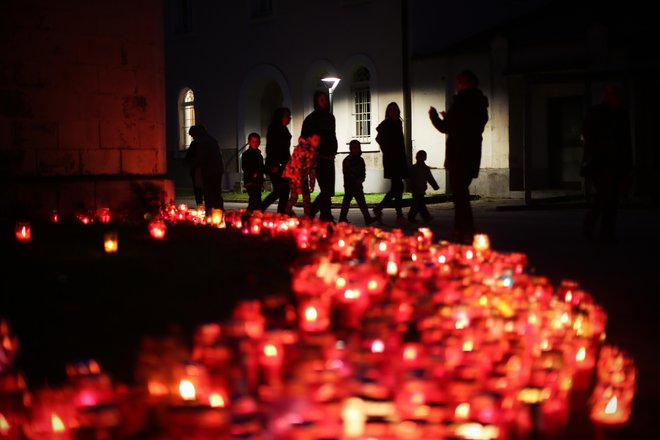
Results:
208 159
420 175
278 142
395 163
322 122
463 124
195 174
354 170
252 163
301 172
607 161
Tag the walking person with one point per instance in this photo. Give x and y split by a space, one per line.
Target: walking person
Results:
322 122
301 172
420 175
395 163
463 124
278 142
354 170
252 163
208 159
607 161
195 174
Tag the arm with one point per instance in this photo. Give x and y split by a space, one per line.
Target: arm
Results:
431 179
439 123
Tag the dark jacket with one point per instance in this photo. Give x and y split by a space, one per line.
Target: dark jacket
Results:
204 154
420 174
390 140
607 142
354 171
278 142
321 122
464 125
252 163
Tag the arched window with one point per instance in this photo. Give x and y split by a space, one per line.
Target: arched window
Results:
361 103
186 117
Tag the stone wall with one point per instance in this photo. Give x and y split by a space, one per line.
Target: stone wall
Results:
81 103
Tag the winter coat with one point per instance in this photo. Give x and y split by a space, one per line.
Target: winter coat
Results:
420 174
302 164
204 154
607 142
278 142
354 170
252 164
464 125
390 140
322 122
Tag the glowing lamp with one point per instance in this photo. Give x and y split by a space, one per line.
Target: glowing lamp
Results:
610 409
54 216
23 232
4 425
217 400
110 242
392 268
377 346
157 229
314 315
462 411
354 417
477 431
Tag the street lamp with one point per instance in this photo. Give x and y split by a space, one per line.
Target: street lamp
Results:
332 83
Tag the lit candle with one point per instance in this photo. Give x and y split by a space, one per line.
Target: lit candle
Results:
23 232
157 229
110 242
216 216
103 214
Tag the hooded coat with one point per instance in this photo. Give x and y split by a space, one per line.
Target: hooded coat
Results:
321 122
464 125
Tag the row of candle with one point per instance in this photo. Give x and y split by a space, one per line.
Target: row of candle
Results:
395 336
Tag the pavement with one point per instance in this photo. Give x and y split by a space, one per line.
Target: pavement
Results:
624 277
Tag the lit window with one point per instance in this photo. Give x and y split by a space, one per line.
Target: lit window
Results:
362 104
186 117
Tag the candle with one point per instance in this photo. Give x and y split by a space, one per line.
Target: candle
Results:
110 242
216 216
157 229
23 232
103 215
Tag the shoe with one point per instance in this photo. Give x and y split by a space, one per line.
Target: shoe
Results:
378 213
401 221
370 220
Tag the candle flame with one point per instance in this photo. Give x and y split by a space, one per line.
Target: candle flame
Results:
340 283
24 231
311 314
373 285
341 243
157 389
187 390
581 354
469 254
442 259
382 246
410 353
4 425
56 423
352 294
270 350
569 296
413 257
417 398
462 321
481 242
110 245
612 405
462 411
377 346
392 268
216 400
468 345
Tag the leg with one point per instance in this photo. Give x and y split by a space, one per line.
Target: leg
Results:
304 189
414 209
293 198
199 195
345 205
283 194
254 202
325 175
609 207
362 203
386 198
463 221
397 189
270 198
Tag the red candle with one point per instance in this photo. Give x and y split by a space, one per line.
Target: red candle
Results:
157 229
23 232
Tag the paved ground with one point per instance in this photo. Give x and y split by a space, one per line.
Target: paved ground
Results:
623 277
